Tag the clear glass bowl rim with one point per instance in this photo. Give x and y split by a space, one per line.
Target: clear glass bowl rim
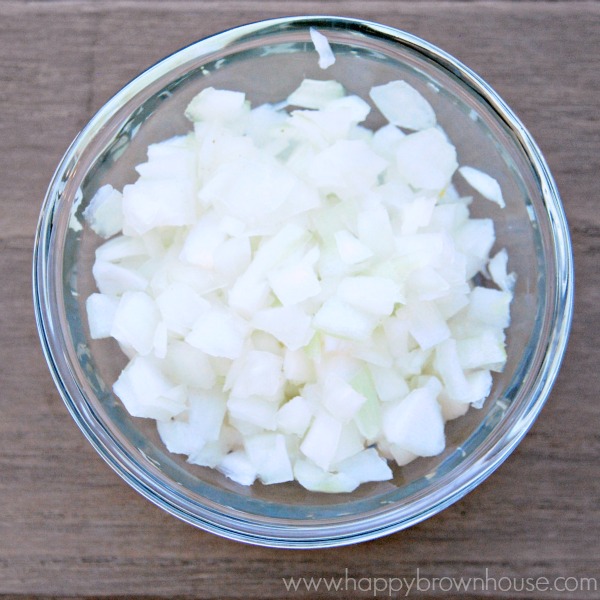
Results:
243 527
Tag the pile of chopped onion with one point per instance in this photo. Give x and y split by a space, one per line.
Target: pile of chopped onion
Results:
295 292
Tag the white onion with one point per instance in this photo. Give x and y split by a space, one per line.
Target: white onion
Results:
487 186
104 213
426 160
403 106
294 292
326 56
313 93
497 267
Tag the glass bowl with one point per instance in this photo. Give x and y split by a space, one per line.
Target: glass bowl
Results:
267 60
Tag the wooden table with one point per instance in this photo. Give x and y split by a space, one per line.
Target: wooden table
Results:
70 527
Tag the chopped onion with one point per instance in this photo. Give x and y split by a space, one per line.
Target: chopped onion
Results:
497 267
295 293
484 184
326 56
104 213
403 106
317 94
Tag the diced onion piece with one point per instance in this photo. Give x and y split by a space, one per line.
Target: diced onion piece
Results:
298 367
416 214
290 325
374 295
180 306
450 304
146 392
249 294
426 324
217 106
326 56
315 94
276 249
481 386
426 284
375 230
190 366
490 307
211 454
114 279
426 160
232 257
261 125
150 203
390 385
365 466
475 238
255 411
120 248
104 213
294 282
101 310
135 321
385 141
403 106
401 456
255 373
487 186
294 416
179 437
203 424
269 456
415 423
202 241
340 319
368 418
351 443
484 351
347 168
497 267
319 128
341 399
315 479
219 333
238 467
447 364
321 440
174 157
350 249
452 409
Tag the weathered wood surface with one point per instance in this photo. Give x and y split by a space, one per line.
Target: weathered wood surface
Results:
70 527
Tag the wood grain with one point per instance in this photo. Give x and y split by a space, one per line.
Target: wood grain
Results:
69 527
